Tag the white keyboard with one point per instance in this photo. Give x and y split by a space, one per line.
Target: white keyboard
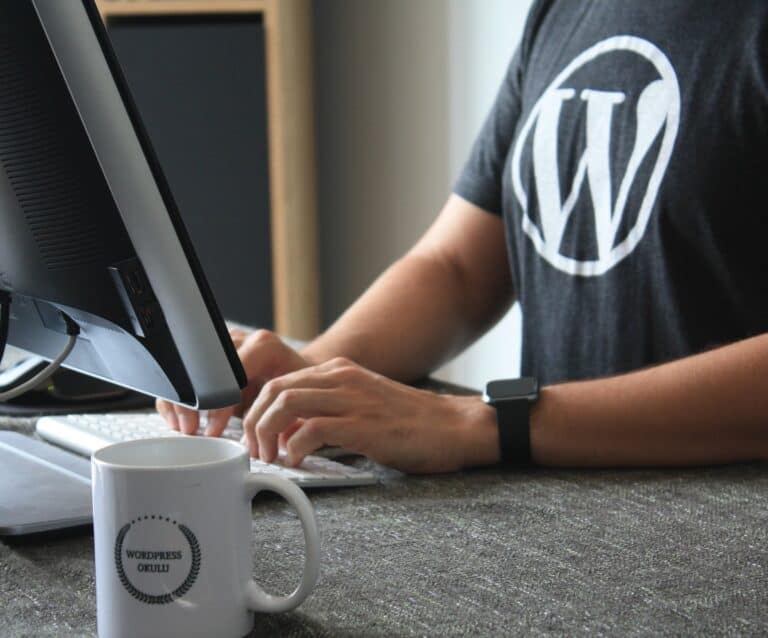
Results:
86 433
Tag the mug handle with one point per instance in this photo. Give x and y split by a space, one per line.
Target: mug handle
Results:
257 598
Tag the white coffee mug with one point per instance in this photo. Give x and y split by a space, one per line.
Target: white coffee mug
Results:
172 532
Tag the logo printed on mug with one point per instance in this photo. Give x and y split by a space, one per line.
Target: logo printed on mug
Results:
173 534
151 549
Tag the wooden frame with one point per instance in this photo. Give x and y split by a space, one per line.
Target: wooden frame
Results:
290 101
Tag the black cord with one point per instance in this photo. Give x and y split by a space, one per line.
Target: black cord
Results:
72 328
5 320
72 331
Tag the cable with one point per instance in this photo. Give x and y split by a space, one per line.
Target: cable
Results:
72 331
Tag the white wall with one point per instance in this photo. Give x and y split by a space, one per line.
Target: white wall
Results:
402 89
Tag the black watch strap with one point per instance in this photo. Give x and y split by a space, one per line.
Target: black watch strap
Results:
513 418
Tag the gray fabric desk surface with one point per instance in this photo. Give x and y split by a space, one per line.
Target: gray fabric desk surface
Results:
481 553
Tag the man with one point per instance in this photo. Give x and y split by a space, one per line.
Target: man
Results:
623 162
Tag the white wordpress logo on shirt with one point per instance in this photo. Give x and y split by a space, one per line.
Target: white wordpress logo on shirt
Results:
657 112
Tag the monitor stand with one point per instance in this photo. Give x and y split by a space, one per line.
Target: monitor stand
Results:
66 392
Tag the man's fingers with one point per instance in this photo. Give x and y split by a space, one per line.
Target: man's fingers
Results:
165 410
319 377
179 418
189 420
282 439
218 421
313 434
289 406
331 374
265 356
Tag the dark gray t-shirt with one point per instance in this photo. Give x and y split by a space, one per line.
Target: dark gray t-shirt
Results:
626 152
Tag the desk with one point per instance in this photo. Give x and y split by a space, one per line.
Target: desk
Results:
478 553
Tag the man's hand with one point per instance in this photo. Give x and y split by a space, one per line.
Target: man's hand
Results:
341 403
264 356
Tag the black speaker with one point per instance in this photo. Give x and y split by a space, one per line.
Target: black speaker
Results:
200 86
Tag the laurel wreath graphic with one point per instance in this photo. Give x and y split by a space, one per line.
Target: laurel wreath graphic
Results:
161 599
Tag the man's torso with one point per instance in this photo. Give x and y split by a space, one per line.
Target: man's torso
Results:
634 190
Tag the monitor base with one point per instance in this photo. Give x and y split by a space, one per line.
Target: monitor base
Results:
66 392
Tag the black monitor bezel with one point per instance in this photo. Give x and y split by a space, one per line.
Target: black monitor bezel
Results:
165 192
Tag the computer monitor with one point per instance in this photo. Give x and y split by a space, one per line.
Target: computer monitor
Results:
89 231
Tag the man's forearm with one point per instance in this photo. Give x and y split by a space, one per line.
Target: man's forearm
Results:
411 319
708 408
451 287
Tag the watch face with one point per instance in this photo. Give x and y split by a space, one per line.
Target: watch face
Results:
512 389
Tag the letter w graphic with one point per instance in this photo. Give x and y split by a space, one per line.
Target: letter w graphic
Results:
595 162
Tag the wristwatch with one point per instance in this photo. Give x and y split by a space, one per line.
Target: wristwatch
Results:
513 399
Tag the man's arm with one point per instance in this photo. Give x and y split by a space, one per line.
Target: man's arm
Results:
703 409
451 287
428 306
